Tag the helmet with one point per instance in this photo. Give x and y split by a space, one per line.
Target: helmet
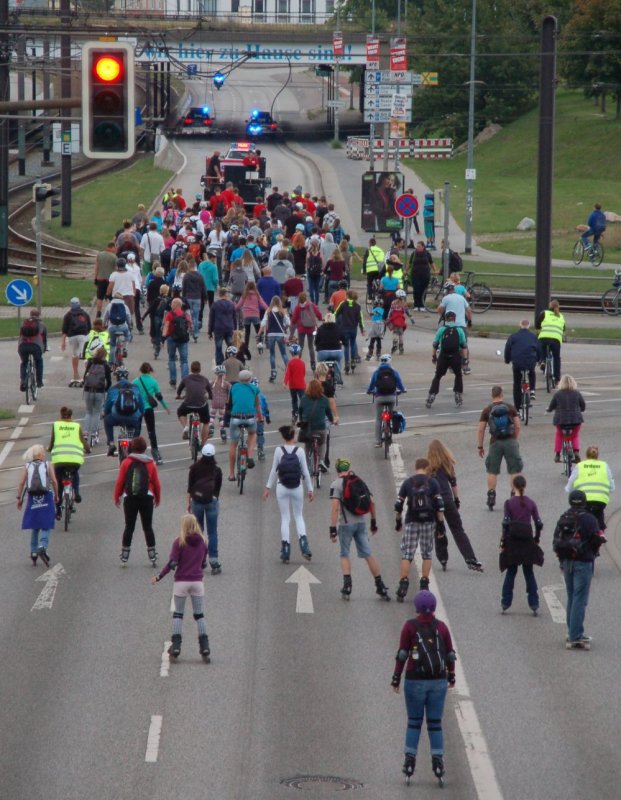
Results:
342 284
400 293
220 370
231 351
295 349
449 286
255 381
122 374
191 240
386 358
577 498
234 228
425 602
198 196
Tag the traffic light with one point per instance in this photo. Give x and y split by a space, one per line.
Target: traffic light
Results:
44 193
218 80
108 122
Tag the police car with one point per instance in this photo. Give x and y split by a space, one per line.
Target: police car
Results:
197 120
261 123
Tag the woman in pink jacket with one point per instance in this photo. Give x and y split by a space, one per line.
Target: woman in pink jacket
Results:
251 305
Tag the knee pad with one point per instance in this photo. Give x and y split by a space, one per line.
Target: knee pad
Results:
177 614
198 616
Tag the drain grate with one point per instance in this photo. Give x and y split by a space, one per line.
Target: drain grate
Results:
325 782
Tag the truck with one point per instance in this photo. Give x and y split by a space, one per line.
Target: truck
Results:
244 166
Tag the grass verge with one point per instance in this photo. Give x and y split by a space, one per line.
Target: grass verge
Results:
9 327
6 413
57 291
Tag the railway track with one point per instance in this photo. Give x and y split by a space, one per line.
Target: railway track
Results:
580 303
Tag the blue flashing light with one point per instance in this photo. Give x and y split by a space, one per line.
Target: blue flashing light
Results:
205 109
218 79
255 113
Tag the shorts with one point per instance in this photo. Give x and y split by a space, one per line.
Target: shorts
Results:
76 344
510 450
358 532
102 288
188 588
415 533
251 424
202 411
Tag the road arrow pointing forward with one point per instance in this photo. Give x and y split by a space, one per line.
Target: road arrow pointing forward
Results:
51 578
303 578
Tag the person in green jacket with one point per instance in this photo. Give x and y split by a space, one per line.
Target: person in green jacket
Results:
209 270
151 397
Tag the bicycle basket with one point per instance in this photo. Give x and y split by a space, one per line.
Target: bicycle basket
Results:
397 422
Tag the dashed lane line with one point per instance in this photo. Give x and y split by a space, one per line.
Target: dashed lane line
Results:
153 739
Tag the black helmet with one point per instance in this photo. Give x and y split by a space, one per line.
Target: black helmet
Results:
577 498
342 284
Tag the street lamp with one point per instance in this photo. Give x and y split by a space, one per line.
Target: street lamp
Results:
470 173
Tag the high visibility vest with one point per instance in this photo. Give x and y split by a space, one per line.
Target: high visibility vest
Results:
552 327
593 480
68 447
375 259
398 274
104 338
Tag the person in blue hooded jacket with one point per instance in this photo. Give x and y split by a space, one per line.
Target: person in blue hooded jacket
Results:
121 409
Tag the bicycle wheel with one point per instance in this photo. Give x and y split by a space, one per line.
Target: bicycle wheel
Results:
32 380
568 459
432 298
66 509
610 301
597 254
481 298
525 409
316 467
28 384
578 252
195 448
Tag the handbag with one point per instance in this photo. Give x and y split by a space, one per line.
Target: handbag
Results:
152 400
305 435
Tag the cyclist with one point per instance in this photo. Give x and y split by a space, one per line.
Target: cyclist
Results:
117 319
97 337
372 262
568 405
198 392
448 345
523 351
232 364
32 341
385 385
204 485
594 477
151 397
295 379
97 381
123 406
67 447
458 304
314 409
75 328
38 481
244 408
596 226
337 297
328 341
265 414
551 327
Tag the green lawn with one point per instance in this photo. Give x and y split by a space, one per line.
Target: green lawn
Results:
100 206
586 170
574 333
9 327
56 291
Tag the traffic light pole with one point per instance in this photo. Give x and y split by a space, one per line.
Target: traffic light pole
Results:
65 125
38 257
5 58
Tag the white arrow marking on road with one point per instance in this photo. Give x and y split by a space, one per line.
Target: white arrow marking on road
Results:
557 609
51 578
304 601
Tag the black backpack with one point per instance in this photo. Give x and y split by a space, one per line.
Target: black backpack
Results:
420 501
220 209
78 324
428 652
289 469
386 382
126 403
355 495
566 541
136 479
95 379
179 330
314 267
500 423
449 344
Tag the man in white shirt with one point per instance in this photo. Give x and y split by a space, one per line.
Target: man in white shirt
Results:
124 282
458 304
134 269
276 248
151 245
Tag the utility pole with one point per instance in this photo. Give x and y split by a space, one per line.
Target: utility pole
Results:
65 125
5 58
469 166
447 211
47 130
337 73
21 123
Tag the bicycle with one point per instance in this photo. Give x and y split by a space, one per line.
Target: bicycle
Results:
67 497
371 295
195 426
241 458
548 371
124 439
386 427
312 457
525 401
32 390
93 438
567 454
481 296
611 297
120 351
593 251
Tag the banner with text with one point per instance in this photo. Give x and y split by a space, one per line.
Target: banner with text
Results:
398 56
373 52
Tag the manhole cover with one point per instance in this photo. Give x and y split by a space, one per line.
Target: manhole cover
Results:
327 783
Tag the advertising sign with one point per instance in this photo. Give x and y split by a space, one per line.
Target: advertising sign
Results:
373 52
398 58
337 44
379 193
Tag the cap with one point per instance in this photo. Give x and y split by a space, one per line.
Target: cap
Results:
208 450
343 465
75 301
245 375
425 602
131 256
577 498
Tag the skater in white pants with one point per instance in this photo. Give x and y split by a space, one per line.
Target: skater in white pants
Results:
290 469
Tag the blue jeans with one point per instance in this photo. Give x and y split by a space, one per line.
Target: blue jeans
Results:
313 289
296 396
331 355
39 538
531 585
425 698
578 575
272 341
590 232
349 345
114 331
194 307
182 349
133 425
220 339
260 435
207 514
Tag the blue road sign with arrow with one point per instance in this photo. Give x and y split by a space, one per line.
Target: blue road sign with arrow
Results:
19 292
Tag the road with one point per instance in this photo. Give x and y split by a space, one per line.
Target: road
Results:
87 686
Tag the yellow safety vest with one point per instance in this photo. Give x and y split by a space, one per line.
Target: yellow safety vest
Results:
68 447
552 327
104 338
375 259
593 480
398 274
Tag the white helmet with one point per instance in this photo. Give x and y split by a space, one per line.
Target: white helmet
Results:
386 358
231 350
400 293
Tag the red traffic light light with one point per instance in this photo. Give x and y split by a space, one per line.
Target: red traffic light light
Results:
108 68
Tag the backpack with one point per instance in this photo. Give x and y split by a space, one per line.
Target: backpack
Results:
289 469
204 489
179 331
126 403
355 495
449 343
78 324
136 479
165 258
29 328
308 318
566 541
118 314
420 502
456 263
37 484
428 652
386 382
314 267
500 424
397 422
95 380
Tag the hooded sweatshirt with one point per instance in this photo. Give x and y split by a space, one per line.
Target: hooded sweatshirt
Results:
154 480
187 561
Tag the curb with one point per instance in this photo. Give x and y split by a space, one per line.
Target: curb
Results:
613 546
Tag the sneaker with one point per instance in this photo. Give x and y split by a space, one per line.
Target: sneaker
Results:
533 396
466 370
393 349
366 358
22 387
378 444
223 434
33 557
59 514
186 433
576 457
323 467
172 383
250 463
429 400
42 553
124 556
111 450
458 399
152 553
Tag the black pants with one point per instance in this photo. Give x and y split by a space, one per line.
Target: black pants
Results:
453 520
419 284
149 421
555 347
597 509
24 350
132 506
517 384
446 361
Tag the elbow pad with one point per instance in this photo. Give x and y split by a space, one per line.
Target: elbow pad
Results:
538 525
451 658
172 565
438 503
399 505
402 656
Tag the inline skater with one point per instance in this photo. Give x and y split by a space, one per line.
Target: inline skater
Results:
67 447
568 405
397 320
123 406
385 386
348 318
448 346
503 421
204 485
75 327
295 379
457 303
38 482
32 341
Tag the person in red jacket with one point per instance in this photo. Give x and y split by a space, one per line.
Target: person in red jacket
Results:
138 485
295 379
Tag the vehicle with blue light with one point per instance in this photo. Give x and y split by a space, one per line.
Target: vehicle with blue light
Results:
261 123
197 120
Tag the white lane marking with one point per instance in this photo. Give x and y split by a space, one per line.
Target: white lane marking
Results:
153 739
56 358
165 664
479 758
48 593
20 428
589 394
5 451
25 409
557 609
304 600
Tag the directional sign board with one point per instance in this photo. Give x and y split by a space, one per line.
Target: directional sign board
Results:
387 90
386 76
406 206
377 116
336 103
385 103
18 292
